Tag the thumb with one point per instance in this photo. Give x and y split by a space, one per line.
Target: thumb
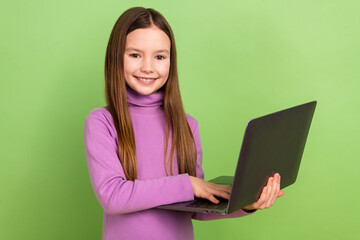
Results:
280 193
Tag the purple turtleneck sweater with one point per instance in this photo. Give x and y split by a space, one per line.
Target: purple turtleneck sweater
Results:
129 211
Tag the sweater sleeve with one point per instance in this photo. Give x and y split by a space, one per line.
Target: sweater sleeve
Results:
116 194
200 174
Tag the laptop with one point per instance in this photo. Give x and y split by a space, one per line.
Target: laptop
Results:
272 143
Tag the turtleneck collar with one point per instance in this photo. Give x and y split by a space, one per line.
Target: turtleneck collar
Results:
139 103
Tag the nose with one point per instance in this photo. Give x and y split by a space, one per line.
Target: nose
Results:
147 65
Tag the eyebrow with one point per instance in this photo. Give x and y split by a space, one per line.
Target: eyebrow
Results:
138 50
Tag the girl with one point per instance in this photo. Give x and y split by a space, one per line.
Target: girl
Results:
142 149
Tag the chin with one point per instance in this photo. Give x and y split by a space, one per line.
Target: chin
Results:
145 91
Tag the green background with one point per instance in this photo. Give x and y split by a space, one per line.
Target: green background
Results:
238 60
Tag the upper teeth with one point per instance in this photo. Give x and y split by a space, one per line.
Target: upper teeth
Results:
146 79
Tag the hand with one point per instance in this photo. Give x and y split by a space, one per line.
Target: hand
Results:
270 192
208 190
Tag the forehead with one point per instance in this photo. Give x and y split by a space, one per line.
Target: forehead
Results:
151 38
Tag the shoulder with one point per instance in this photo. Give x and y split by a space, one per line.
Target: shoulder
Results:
100 118
99 113
193 123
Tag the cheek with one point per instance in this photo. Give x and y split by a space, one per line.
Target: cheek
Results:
129 66
163 69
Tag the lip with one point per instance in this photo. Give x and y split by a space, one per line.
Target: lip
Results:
145 83
146 77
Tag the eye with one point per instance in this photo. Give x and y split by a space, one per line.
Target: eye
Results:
134 55
160 57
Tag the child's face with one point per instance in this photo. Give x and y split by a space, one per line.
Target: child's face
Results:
147 59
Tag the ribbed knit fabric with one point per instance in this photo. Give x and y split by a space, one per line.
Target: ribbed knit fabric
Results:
129 205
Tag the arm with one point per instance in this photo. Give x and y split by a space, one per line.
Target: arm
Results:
116 194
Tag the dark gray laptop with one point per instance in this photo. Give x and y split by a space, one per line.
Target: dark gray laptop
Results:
272 143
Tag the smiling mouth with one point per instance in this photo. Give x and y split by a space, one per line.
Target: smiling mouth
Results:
145 80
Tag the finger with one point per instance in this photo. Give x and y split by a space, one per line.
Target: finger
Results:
216 189
279 185
270 189
260 203
269 192
220 193
211 198
221 187
226 189
280 192
275 191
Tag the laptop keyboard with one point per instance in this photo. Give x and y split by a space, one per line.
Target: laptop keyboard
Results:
204 203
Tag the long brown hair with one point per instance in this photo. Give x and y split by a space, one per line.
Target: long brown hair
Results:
115 90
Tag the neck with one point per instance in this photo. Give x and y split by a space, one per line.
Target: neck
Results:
139 103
